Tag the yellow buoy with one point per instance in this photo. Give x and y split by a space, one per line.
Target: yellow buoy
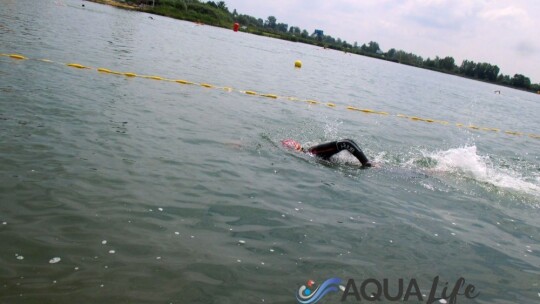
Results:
76 65
17 56
366 110
183 81
155 77
104 70
298 64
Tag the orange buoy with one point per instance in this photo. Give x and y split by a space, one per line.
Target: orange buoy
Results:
236 26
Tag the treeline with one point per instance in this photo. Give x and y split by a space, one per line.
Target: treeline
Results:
482 70
218 14
211 13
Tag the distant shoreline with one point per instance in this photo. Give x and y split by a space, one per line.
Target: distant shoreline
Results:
150 10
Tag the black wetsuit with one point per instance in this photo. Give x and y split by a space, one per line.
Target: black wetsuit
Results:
326 150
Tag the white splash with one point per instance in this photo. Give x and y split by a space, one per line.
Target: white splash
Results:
467 161
55 260
331 128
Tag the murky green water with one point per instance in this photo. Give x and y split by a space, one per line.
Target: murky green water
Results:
156 192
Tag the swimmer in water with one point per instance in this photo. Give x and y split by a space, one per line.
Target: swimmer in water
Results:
326 150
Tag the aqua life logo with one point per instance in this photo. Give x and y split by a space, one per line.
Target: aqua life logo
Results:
311 293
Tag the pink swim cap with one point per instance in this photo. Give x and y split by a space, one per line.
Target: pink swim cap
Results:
291 144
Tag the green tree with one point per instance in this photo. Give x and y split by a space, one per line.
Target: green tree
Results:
222 5
504 79
329 40
492 72
295 30
480 70
373 47
467 68
270 22
178 4
429 63
447 64
282 27
520 81
364 48
391 54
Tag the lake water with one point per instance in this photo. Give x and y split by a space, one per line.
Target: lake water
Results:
130 190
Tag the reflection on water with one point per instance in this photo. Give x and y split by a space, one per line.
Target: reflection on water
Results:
122 33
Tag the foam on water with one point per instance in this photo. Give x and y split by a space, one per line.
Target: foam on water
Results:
54 260
468 162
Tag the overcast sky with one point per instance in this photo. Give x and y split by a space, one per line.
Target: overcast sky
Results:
501 32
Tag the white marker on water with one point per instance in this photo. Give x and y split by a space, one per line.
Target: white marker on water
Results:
54 260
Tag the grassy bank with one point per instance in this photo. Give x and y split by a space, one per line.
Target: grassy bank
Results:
124 5
196 12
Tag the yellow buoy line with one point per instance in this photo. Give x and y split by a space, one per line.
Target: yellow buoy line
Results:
274 96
